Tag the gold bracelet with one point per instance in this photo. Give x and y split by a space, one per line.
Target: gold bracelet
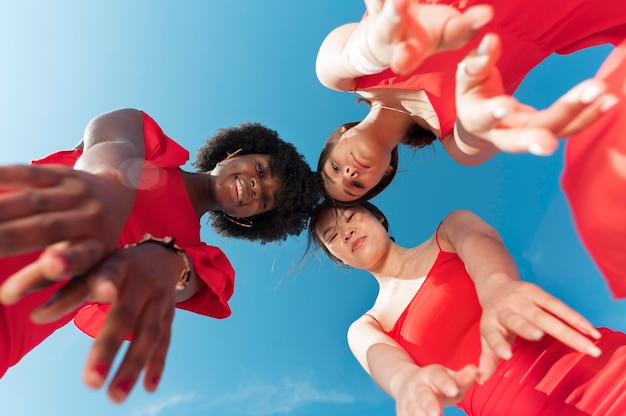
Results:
169 243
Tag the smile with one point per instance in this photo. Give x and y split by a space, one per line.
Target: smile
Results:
239 190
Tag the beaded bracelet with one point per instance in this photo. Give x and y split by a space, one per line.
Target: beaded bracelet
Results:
169 243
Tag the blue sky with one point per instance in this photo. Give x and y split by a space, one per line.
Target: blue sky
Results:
199 65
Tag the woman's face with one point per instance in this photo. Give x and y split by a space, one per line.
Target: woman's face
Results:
245 185
353 235
354 166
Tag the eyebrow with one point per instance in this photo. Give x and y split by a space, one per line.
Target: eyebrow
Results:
333 182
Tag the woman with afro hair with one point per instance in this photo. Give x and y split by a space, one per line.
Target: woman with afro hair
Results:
112 230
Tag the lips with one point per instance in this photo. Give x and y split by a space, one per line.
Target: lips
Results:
356 244
359 162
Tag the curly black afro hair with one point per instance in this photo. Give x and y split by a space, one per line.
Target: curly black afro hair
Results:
301 187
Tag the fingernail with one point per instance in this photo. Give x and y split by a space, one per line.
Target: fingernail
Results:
124 388
589 94
538 150
608 103
499 113
101 370
594 351
479 24
155 380
452 391
483 46
536 334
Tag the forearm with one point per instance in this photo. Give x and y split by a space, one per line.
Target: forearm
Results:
389 367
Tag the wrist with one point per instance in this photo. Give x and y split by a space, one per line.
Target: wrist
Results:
169 243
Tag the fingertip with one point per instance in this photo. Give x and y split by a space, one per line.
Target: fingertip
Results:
95 376
540 150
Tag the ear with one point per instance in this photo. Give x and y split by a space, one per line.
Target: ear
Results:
380 219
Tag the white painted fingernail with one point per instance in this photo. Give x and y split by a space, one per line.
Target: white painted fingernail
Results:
594 351
590 94
537 150
608 103
483 46
499 113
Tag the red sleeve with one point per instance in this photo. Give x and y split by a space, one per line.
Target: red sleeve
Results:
214 268
159 149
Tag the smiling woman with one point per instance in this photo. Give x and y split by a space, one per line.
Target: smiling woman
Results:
88 207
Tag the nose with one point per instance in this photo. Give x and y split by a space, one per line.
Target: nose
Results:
347 234
255 188
350 172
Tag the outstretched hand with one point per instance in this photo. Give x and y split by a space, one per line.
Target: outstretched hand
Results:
488 120
402 33
139 283
524 309
76 216
426 390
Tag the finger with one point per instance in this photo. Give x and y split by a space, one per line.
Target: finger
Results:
26 202
466 376
21 283
460 29
19 176
576 110
39 231
67 299
487 363
444 383
536 141
427 401
146 336
407 57
120 321
496 338
74 258
156 363
478 64
558 308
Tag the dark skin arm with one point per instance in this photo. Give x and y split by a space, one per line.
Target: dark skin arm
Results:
76 215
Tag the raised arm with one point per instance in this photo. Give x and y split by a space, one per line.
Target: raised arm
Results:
490 121
396 34
415 389
78 213
510 306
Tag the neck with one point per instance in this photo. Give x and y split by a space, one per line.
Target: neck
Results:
197 185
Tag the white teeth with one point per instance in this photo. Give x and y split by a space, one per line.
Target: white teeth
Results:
239 187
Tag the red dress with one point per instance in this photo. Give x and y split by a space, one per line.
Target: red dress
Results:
547 378
162 207
530 31
594 179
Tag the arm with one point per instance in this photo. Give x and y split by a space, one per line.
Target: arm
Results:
489 121
76 214
427 389
510 307
398 34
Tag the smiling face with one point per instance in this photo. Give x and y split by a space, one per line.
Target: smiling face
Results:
245 185
353 235
354 166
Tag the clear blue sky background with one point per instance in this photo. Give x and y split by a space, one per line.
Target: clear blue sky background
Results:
199 65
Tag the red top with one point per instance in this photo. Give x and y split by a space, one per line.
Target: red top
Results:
162 207
530 31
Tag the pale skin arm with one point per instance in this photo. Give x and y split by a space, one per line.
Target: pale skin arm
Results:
489 121
417 390
398 34
510 306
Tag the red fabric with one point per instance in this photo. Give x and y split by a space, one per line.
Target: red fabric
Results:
594 180
546 378
530 31
162 207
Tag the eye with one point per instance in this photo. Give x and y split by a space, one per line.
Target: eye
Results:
259 169
332 238
334 166
264 202
350 217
